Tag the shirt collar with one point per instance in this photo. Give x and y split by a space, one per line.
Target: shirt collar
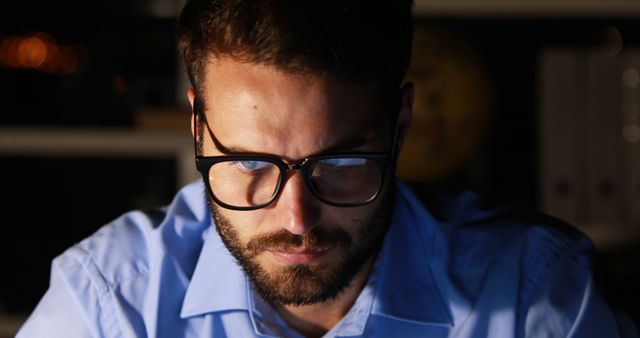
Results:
218 283
407 289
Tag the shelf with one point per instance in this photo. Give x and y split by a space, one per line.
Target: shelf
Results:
102 143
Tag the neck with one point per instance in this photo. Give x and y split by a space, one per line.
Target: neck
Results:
316 319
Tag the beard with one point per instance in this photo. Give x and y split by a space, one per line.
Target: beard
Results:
306 284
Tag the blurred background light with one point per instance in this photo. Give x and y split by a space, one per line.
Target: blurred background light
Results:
40 52
68 60
631 133
32 52
612 41
631 77
10 52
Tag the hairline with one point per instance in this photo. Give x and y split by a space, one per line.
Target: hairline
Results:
198 82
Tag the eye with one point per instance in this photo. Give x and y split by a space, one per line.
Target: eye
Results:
344 162
252 165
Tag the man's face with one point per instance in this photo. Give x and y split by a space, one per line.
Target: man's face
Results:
296 250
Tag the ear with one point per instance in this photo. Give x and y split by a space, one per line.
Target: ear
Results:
405 113
191 95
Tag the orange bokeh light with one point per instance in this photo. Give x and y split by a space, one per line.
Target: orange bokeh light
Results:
53 59
32 52
9 51
69 60
40 51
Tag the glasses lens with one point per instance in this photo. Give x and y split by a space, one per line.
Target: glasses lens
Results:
346 180
244 183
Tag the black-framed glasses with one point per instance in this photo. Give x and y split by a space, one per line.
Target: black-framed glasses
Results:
249 181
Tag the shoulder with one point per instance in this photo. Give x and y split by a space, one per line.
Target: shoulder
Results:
471 222
117 251
499 253
512 262
480 236
121 269
126 247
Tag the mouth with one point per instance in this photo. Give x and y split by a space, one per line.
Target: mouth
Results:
299 255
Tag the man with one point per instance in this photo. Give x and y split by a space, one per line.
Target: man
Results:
299 227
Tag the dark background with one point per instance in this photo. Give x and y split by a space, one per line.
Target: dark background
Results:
50 203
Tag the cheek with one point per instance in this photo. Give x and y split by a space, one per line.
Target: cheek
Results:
248 224
237 223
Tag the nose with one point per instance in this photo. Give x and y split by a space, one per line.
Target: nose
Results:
299 209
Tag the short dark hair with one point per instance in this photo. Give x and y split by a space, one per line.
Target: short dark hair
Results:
355 40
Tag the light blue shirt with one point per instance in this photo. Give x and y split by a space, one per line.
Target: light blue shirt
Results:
471 273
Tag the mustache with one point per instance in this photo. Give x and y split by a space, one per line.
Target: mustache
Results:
281 239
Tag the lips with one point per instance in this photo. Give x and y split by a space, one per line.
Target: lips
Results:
299 255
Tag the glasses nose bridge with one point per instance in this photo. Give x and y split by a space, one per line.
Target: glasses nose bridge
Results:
297 165
290 168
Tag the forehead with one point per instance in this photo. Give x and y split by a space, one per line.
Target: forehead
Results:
266 110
